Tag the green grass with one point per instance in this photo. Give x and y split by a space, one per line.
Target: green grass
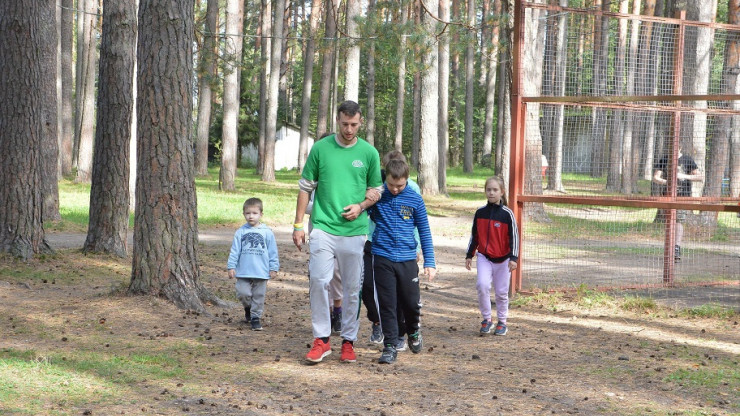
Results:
709 310
708 377
30 382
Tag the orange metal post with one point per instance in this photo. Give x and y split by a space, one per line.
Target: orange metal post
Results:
518 111
670 230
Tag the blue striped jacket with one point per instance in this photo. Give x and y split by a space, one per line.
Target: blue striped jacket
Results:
395 217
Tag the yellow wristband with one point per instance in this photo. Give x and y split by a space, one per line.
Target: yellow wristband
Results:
298 225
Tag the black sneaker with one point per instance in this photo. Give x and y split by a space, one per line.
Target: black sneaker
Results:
416 342
247 313
256 325
336 321
677 253
389 355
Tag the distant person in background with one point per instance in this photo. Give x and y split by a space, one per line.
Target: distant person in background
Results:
496 239
686 172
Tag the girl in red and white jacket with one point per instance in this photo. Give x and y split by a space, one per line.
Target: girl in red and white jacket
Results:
496 239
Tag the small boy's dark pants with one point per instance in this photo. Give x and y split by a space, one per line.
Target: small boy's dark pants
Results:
368 291
397 286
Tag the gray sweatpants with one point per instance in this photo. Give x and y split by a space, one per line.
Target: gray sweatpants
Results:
347 252
251 292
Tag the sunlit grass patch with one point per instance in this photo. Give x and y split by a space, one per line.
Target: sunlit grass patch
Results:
638 304
32 382
709 310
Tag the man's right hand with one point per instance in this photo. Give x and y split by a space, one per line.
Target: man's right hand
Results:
299 238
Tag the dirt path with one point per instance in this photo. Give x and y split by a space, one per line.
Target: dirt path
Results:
556 359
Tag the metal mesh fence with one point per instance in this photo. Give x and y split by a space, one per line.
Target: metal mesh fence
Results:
632 152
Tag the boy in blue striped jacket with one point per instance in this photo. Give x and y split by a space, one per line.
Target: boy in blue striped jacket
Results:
398 212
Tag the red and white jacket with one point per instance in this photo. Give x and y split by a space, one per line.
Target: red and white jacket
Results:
495 234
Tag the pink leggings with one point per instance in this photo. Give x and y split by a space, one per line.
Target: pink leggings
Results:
498 274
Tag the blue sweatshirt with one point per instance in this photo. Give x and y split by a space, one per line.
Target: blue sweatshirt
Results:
254 252
395 217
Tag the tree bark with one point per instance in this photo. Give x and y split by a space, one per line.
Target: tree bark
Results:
66 142
444 98
165 255
630 147
50 122
25 68
370 118
401 89
703 11
233 57
206 76
308 60
265 50
327 69
616 148
534 38
555 176
416 127
109 193
469 94
491 63
352 63
268 173
87 55
429 128
599 117
505 68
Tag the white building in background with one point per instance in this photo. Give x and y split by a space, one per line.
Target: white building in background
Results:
286 149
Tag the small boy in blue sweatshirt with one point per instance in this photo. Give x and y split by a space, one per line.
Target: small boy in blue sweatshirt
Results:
252 261
396 273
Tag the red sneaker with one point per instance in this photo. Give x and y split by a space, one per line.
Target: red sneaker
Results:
348 353
319 350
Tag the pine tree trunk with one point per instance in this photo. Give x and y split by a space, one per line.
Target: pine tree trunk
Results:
273 91
429 111
352 63
327 69
616 143
703 11
25 68
109 193
87 55
206 75
308 61
50 121
165 255
401 88
491 63
469 94
599 117
233 57
265 51
66 142
370 118
444 98
555 175
534 38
